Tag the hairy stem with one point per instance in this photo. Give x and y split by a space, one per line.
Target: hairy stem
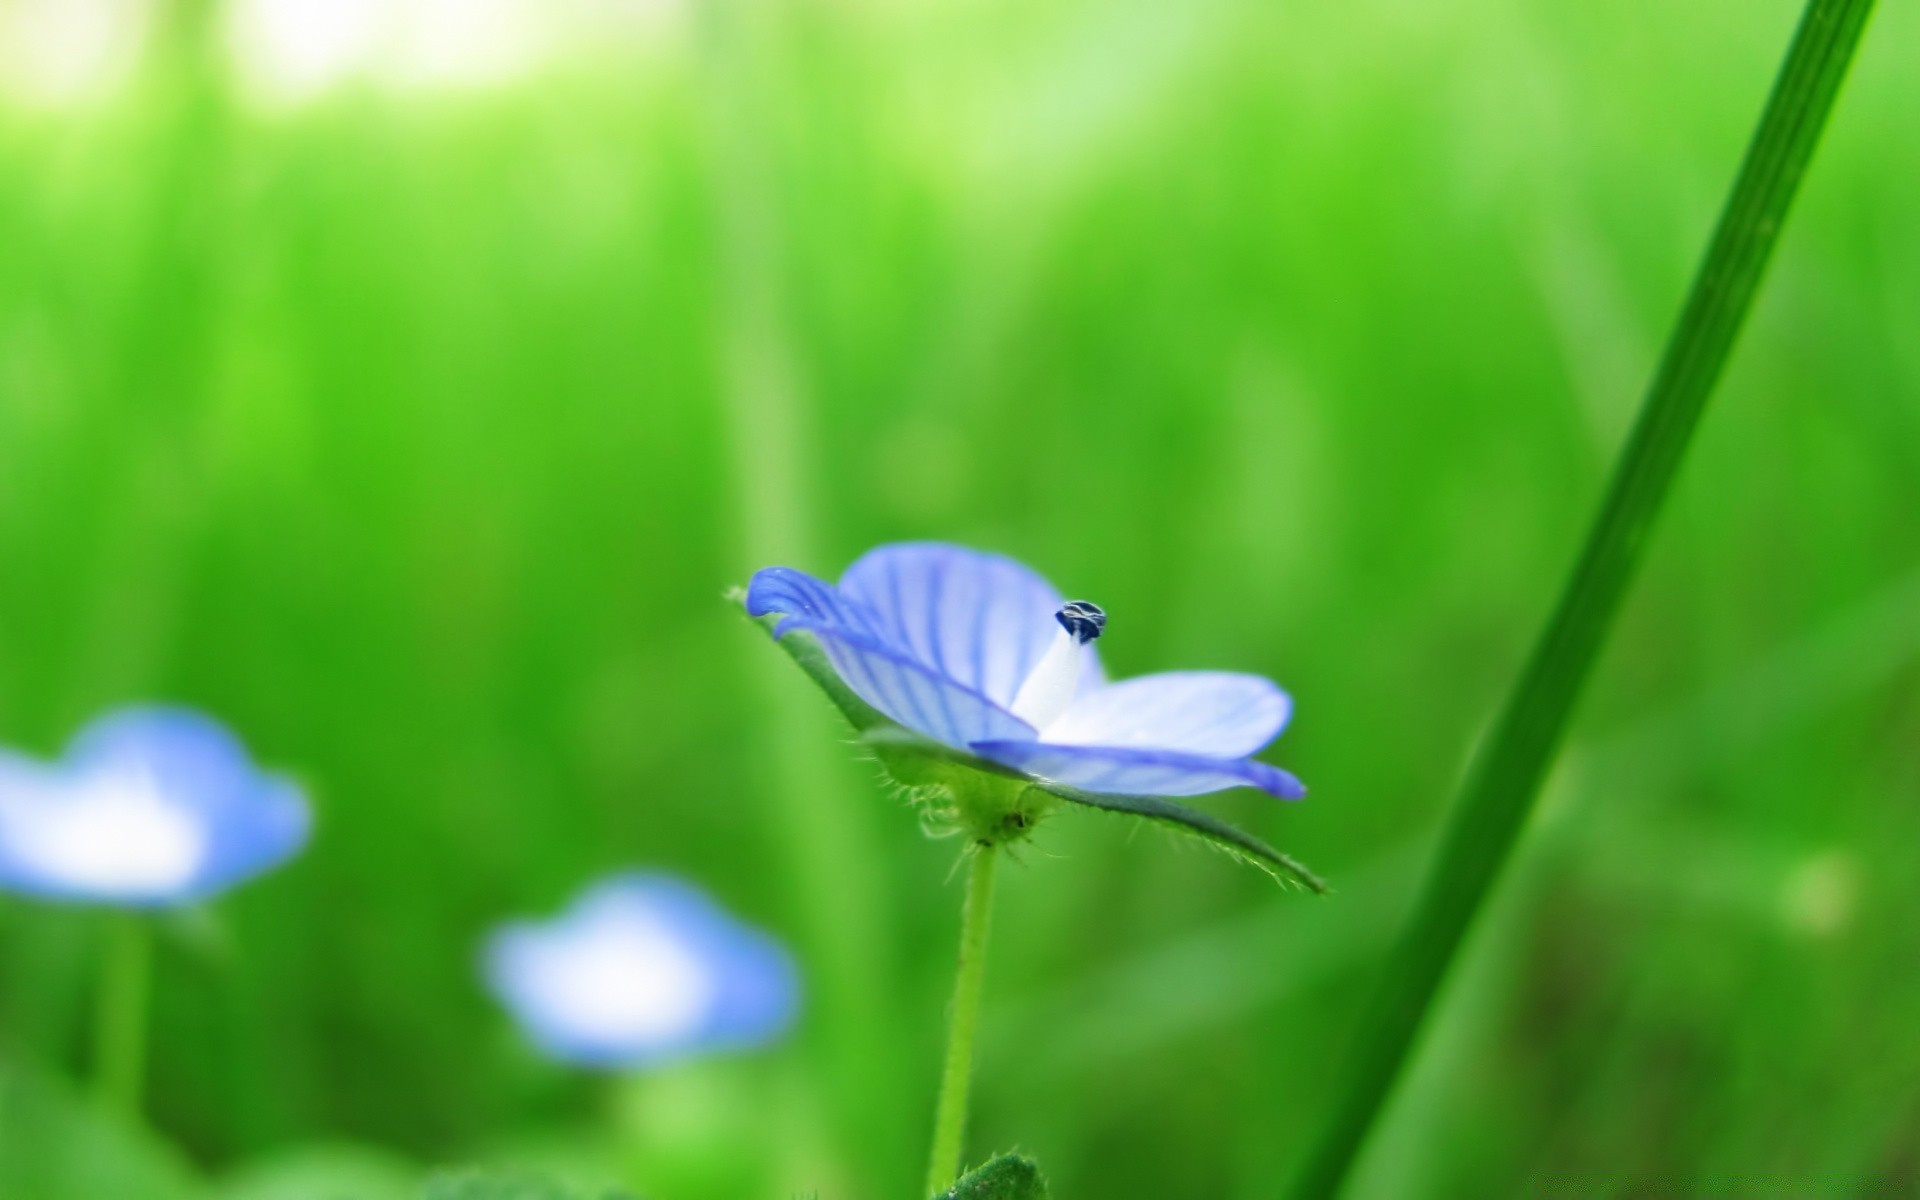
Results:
950 1118
1500 790
120 1021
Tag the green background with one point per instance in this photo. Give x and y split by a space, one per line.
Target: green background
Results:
418 434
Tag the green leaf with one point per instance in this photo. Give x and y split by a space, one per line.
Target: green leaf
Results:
509 1184
1009 1177
1205 826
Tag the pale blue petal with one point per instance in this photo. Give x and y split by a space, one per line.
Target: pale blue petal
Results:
25 787
195 777
1139 772
910 692
270 827
252 820
624 941
981 619
1220 714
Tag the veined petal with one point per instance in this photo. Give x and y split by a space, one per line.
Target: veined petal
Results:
1217 713
911 693
796 595
1141 771
983 620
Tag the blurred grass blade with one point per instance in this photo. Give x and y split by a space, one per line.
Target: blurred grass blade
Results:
1499 793
511 1184
53 1144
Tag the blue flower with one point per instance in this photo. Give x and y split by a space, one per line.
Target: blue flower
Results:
979 654
643 968
149 807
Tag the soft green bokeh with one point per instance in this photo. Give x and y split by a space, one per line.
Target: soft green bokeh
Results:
419 434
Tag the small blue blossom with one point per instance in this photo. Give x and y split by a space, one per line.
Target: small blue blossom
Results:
980 654
149 807
642 969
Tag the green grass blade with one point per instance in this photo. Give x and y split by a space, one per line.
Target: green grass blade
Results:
1500 790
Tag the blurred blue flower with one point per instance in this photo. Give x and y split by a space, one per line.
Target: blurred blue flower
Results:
643 968
980 654
149 807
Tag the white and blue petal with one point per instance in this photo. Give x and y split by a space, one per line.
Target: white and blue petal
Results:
151 806
643 968
909 691
876 663
1221 714
980 619
1125 769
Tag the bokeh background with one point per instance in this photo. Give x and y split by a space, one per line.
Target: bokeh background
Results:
407 381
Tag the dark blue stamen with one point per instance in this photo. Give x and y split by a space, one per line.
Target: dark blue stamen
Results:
1083 619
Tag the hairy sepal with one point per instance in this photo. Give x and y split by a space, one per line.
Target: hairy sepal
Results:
1008 1177
957 792
1233 841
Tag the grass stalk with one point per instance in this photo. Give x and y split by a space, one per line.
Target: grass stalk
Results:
120 1020
1500 790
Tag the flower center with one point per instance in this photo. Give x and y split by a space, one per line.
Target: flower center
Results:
1051 685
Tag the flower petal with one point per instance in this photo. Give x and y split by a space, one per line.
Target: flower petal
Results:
152 806
252 820
28 790
982 619
910 692
641 969
796 595
882 669
1217 713
1124 769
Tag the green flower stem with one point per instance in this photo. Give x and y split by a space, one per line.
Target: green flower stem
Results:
950 1119
1500 790
120 1029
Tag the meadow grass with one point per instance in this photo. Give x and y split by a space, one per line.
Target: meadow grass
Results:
420 436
